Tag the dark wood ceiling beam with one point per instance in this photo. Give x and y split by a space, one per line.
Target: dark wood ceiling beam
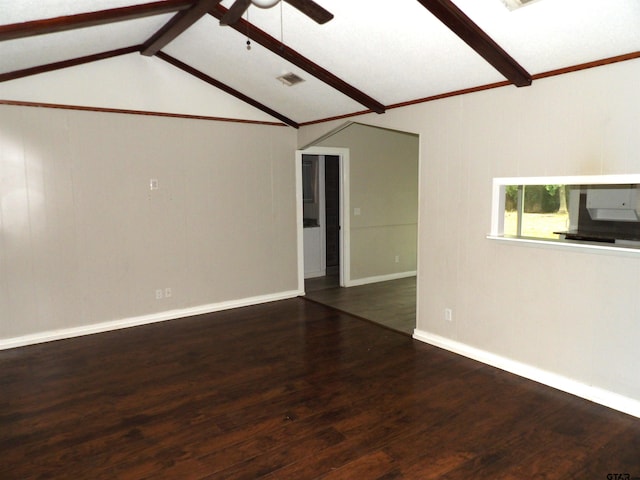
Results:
101 17
460 24
177 25
270 43
225 88
4 77
312 10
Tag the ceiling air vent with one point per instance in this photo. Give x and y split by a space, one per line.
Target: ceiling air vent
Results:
290 79
513 4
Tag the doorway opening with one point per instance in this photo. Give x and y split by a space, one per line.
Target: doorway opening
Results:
322 173
321 220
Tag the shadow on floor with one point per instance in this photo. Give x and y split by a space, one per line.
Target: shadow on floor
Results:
391 303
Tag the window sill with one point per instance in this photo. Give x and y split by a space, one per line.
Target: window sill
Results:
578 246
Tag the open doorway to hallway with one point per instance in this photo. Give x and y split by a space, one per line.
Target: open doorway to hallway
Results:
321 211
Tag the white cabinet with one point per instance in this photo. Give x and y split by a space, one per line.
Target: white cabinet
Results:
314 257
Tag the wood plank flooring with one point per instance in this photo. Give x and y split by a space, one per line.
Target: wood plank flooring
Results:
391 303
290 390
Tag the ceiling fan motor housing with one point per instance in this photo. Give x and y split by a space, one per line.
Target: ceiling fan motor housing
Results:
264 3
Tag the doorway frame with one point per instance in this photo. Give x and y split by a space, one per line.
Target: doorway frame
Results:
344 220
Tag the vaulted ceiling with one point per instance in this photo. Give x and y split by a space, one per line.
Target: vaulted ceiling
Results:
174 57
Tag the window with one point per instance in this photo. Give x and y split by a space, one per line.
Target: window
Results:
593 210
536 211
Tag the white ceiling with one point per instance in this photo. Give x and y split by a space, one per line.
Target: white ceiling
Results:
394 51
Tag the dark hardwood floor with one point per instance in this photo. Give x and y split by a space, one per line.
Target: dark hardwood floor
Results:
391 303
290 390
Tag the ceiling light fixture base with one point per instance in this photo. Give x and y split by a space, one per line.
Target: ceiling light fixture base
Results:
514 4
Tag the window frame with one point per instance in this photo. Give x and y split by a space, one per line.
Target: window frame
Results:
498 207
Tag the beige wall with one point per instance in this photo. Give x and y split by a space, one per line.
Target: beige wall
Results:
383 177
575 315
83 240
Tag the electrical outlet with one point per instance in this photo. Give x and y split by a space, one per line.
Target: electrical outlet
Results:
397 258
448 315
356 211
153 184
167 292
159 294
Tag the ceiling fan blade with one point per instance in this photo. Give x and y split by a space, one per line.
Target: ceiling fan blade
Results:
312 10
235 12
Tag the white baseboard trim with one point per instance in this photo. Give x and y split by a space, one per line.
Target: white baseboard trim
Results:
379 278
60 334
598 395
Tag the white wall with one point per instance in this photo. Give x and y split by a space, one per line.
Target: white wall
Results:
83 240
129 82
383 174
575 316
